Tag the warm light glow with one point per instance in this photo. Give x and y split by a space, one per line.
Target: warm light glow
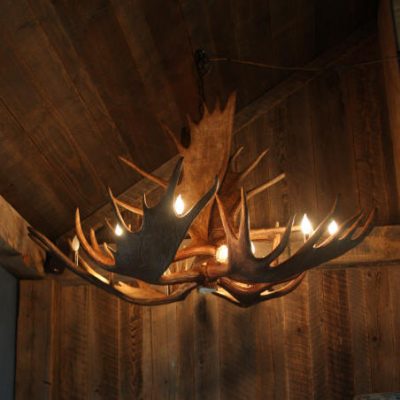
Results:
222 254
179 205
333 227
253 248
75 244
118 230
306 226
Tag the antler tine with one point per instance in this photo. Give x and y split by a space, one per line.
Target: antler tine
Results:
245 298
283 290
264 186
159 181
319 231
235 156
225 221
367 228
99 257
96 246
258 189
282 244
117 211
253 165
343 228
244 226
353 227
169 195
107 250
171 135
132 209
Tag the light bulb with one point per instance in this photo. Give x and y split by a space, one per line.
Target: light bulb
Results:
179 205
333 227
75 244
306 226
118 230
222 254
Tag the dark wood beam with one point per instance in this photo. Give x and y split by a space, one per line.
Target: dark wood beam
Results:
18 254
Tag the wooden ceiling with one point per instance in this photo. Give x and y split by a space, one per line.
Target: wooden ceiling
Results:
82 82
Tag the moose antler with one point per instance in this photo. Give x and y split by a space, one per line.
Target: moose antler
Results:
130 267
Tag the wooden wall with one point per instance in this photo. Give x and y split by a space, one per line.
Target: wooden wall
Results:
335 336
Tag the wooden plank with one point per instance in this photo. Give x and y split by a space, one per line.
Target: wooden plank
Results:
145 52
333 154
338 344
297 352
185 368
238 352
18 254
103 345
131 352
208 320
391 75
271 377
357 293
36 350
115 74
73 374
363 100
384 360
317 337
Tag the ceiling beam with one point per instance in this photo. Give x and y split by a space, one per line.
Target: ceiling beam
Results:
245 117
18 254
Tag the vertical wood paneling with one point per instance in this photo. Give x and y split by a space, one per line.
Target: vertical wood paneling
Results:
357 292
381 334
131 350
333 156
271 356
238 352
36 350
73 373
337 332
102 331
208 320
317 338
298 356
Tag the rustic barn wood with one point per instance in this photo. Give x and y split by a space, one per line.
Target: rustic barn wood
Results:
18 254
81 83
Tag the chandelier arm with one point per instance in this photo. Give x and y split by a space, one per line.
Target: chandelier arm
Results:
171 135
155 179
102 259
117 212
234 156
243 175
193 251
139 296
244 299
129 207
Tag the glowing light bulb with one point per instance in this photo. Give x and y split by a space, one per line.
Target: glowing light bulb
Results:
306 226
75 244
118 230
222 254
179 205
333 227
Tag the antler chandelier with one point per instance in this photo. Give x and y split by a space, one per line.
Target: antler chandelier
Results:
218 228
